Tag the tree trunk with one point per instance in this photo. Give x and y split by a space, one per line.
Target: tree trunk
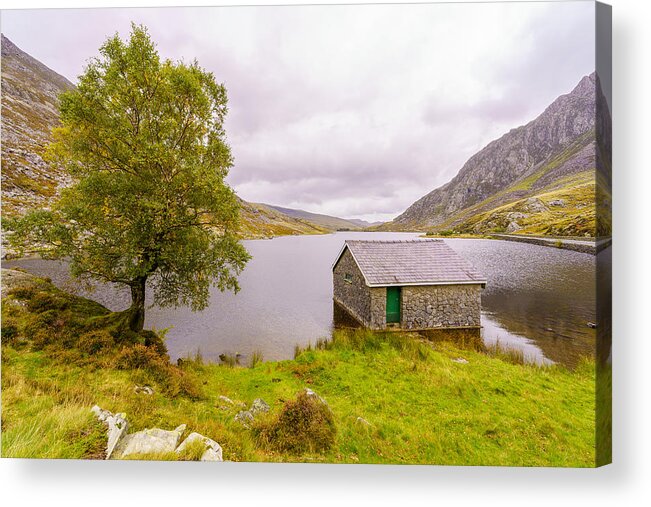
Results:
137 310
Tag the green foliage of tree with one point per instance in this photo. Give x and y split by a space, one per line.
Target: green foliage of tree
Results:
144 142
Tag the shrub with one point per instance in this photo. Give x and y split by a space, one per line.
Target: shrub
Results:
172 380
45 301
95 342
305 424
154 340
23 292
9 333
40 337
137 357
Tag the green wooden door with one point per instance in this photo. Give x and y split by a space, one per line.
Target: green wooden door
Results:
393 304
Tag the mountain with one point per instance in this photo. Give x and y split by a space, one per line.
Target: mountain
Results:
331 223
30 110
363 223
538 178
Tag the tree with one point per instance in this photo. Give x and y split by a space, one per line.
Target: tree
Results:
144 142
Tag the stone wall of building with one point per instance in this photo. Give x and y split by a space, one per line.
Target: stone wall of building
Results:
442 306
378 307
353 295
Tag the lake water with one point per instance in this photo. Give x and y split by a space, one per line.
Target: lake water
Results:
537 299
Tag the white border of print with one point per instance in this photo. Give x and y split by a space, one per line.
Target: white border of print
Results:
626 482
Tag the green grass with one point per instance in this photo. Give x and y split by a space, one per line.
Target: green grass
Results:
256 358
422 406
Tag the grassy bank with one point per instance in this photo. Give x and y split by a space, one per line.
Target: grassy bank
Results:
418 404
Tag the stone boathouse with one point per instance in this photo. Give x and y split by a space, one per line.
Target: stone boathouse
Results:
415 285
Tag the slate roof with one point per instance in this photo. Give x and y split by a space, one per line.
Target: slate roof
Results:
415 262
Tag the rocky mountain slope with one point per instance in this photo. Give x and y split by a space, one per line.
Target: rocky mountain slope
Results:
30 110
538 178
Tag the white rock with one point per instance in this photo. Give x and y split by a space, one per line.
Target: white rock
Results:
148 441
143 390
117 428
513 227
258 405
515 215
312 394
213 450
535 205
244 417
225 399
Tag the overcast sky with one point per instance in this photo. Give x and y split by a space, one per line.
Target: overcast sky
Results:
353 111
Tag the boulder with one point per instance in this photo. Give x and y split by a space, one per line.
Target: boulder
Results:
117 427
515 215
311 394
244 417
557 202
226 400
513 227
535 205
143 390
259 406
212 452
149 441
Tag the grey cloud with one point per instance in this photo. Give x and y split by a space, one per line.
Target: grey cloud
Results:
350 110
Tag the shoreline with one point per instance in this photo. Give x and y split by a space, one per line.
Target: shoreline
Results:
587 247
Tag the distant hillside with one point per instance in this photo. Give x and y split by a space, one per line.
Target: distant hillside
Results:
538 178
262 221
30 110
331 223
363 223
